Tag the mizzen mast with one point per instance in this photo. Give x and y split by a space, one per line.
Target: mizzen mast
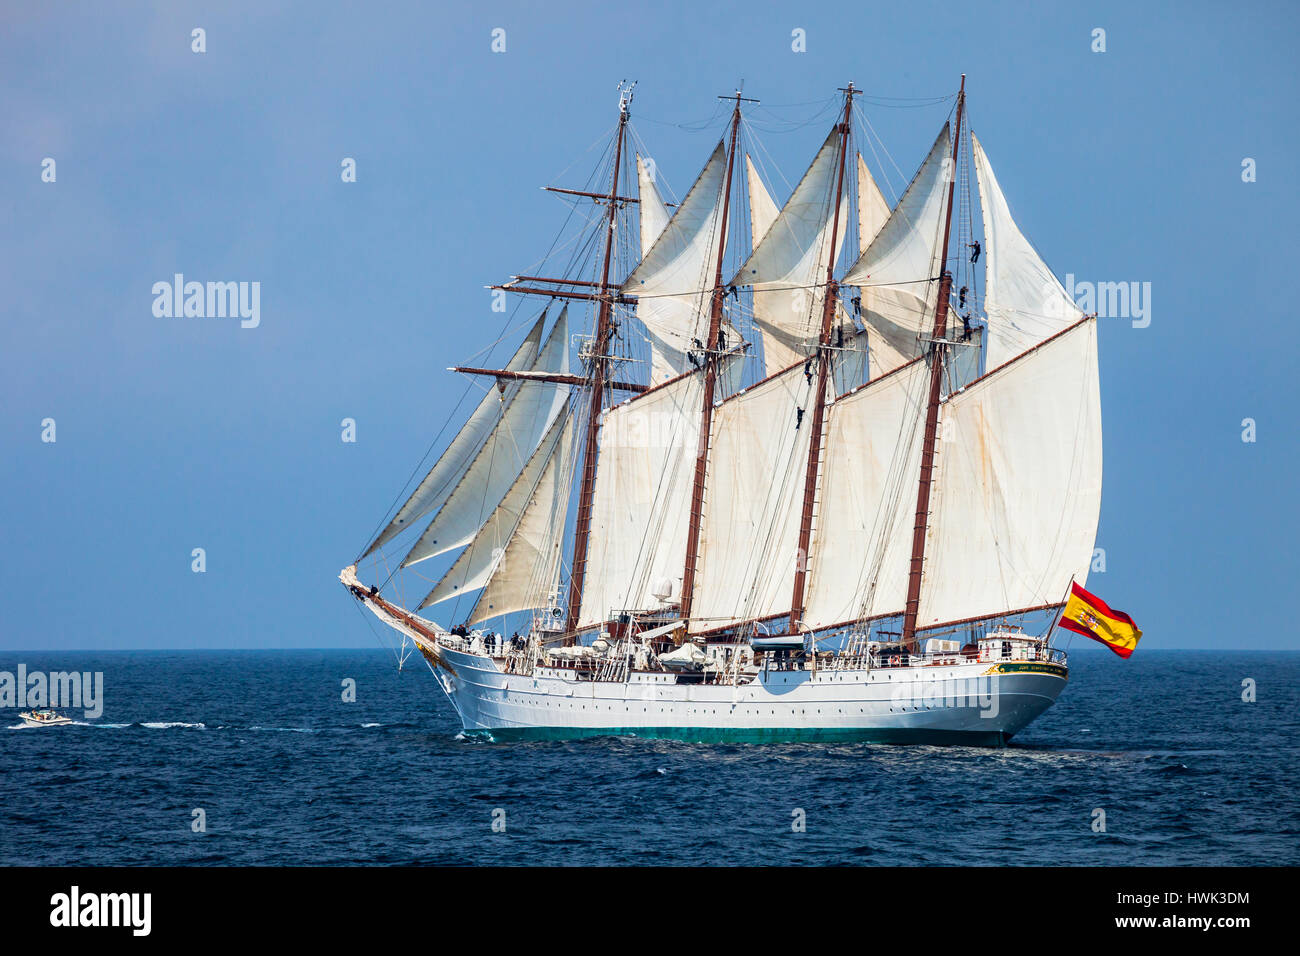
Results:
712 356
937 349
829 301
598 374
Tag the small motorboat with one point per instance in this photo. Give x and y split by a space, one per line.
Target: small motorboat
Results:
43 718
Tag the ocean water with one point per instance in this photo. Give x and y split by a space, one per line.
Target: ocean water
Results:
286 772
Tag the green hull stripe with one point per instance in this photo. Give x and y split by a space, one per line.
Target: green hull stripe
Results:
1027 667
755 735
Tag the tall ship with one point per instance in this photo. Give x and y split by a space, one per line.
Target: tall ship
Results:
819 471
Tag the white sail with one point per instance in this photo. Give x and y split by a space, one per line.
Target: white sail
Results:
641 505
888 345
528 574
433 490
502 456
496 540
850 358
963 362
898 273
862 537
873 210
763 210
516 550
787 269
1024 301
1017 491
905 251
753 501
674 280
654 214
886 351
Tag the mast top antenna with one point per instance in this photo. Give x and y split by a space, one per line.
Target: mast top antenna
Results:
625 94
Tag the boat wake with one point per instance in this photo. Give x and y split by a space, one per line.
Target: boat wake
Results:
200 725
105 725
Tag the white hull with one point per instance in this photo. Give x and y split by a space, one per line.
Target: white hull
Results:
968 702
55 721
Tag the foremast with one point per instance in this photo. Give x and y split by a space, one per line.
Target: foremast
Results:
937 349
712 356
598 373
829 301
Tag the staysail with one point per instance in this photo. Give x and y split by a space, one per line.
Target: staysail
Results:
654 214
763 209
528 573
897 273
433 490
850 359
674 280
873 213
787 268
502 457
873 210
1024 301
517 548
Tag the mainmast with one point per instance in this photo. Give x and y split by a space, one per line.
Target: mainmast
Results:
937 350
823 366
712 356
599 372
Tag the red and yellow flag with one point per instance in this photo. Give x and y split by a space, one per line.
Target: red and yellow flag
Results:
1090 616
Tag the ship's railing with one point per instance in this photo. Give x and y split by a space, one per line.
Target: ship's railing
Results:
516 658
453 642
1018 652
512 657
895 657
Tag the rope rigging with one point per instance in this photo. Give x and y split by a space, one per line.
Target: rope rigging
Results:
630 343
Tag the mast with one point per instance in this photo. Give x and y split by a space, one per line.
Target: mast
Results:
599 370
823 367
711 360
937 350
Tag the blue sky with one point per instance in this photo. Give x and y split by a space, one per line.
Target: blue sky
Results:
174 434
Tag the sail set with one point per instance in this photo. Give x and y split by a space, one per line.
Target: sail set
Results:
873 472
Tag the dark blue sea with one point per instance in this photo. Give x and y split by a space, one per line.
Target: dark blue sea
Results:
286 772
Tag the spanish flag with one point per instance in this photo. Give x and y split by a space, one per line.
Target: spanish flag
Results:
1090 616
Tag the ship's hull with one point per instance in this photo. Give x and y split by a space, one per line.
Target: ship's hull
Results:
30 720
969 703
